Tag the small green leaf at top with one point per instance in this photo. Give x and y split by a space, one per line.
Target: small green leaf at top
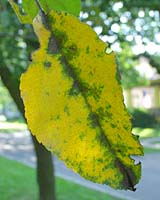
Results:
71 6
30 9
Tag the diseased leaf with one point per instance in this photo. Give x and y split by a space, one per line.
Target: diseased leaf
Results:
74 103
30 9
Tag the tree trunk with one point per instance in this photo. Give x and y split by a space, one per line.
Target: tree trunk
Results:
45 171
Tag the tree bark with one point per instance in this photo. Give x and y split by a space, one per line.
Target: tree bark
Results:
45 170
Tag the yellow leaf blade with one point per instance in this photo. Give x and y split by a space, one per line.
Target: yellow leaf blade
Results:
74 103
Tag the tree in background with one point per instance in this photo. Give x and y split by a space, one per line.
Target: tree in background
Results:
16 45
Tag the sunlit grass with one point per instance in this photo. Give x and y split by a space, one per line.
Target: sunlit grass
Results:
18 182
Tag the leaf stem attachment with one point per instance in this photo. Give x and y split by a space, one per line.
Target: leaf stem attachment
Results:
43 15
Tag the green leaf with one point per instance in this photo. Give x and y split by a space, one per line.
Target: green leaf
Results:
30 9
71 6
74 103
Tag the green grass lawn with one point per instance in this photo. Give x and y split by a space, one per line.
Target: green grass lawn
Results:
18 182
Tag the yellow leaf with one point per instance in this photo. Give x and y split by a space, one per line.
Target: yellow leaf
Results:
74 103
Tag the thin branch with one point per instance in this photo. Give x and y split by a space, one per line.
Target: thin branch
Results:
39 6
43 15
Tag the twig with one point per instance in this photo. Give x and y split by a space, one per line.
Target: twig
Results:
43 15
39 6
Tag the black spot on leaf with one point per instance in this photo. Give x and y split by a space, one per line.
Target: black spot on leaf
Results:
47 64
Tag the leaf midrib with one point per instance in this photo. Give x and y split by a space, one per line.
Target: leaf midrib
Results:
118 163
